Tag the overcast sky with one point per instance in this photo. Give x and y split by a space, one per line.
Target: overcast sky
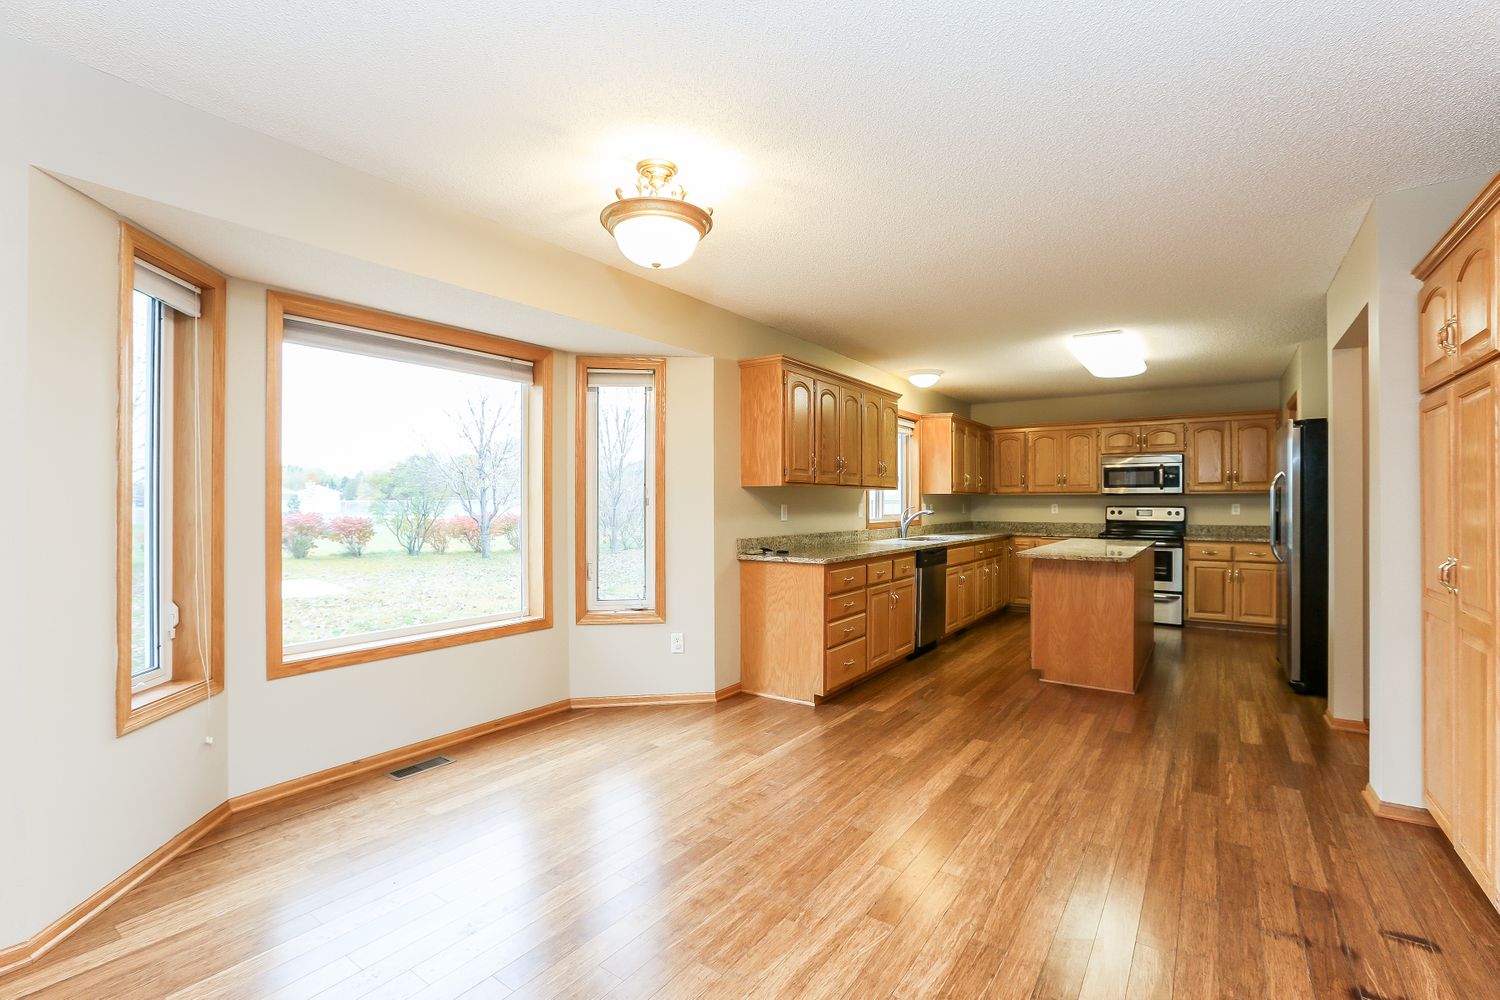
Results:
347 413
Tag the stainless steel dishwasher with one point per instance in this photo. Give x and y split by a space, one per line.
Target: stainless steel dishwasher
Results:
932 597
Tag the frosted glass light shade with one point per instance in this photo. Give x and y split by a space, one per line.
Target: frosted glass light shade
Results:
656 241
1111 354
924 380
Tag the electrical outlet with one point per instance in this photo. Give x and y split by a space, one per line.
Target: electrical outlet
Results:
1054 508
1234 509
676 642
783 512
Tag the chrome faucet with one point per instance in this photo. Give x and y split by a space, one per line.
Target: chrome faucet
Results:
909 515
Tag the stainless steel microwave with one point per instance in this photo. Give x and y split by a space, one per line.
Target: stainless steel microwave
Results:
1141 473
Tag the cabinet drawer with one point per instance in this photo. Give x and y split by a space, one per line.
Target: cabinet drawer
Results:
903 567
843 664
878 572
1222 551
845 605
1257 552
846 576
845 630
960 554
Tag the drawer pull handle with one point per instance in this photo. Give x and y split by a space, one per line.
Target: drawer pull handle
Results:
848 629
848 663
848 579
848 604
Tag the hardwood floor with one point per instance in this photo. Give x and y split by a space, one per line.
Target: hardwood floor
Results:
955 828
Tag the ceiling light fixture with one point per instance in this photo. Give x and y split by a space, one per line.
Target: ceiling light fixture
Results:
658 227
925 379
1110 354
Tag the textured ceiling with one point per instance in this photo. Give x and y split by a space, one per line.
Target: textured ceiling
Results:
954 186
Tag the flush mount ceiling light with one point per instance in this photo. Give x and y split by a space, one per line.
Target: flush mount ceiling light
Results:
658 227
925 379
1110 354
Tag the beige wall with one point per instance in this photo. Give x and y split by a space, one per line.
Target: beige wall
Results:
264 211
1306 377
1130 405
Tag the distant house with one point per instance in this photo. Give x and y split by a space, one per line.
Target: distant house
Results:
318 499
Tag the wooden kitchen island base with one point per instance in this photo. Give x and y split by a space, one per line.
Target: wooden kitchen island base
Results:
1091 613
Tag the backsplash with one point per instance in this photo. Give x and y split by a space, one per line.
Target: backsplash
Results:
1055 529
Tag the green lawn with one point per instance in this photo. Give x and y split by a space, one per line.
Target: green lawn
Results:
331 594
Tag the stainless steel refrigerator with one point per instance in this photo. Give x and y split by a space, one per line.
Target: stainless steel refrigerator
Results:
1299 540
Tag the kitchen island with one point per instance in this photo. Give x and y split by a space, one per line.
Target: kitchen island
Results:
1091 620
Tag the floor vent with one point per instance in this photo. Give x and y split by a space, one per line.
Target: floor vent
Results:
419 767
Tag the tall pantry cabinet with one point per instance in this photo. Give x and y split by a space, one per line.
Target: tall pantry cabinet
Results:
1460 432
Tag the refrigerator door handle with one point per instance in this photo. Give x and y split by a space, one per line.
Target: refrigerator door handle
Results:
1276 516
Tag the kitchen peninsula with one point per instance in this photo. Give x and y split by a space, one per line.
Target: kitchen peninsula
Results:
1091 620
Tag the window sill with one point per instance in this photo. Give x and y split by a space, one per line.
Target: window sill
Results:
350 655
882 524
622 618
158 702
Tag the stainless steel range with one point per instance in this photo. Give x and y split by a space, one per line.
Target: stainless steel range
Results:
1167 527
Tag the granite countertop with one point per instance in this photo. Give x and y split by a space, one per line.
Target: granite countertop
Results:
822 552
1087 550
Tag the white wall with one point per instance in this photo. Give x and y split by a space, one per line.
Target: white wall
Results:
1128 404
1376 276
255 208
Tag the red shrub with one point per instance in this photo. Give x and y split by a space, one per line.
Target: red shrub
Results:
301 532
354 532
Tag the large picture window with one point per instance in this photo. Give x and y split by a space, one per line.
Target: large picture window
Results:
409 502
169 613
620 472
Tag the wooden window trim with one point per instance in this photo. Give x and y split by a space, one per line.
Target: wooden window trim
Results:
133 709
657 615
278 305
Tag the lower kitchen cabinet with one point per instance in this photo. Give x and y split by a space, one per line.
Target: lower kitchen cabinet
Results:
808 630
1231 582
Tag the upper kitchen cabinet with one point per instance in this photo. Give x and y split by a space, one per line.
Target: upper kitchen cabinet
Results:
801 424
1062 460
1231 456
1457 311
878 431
955 454
1142 439
1008 462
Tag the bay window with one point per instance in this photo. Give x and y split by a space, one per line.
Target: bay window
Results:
407 508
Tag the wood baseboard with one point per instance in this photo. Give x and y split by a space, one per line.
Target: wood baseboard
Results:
1359 726
19 956
389 759
1415 815
778 697
635 700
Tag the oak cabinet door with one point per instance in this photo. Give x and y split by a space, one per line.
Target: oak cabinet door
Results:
1254 455
1208 456
1255 594
1473 502
1080 461
1163 437
1209 591
903 618
986 460
1044 452
1009 451
851 440
1473 750
888 451
1120 440
869 441
878 634
1438 763
1474 297
828 402
800 429
1435 353
953 610
1002 578
1436 436
1020 574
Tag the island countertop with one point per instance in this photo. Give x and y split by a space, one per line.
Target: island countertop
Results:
1087 550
